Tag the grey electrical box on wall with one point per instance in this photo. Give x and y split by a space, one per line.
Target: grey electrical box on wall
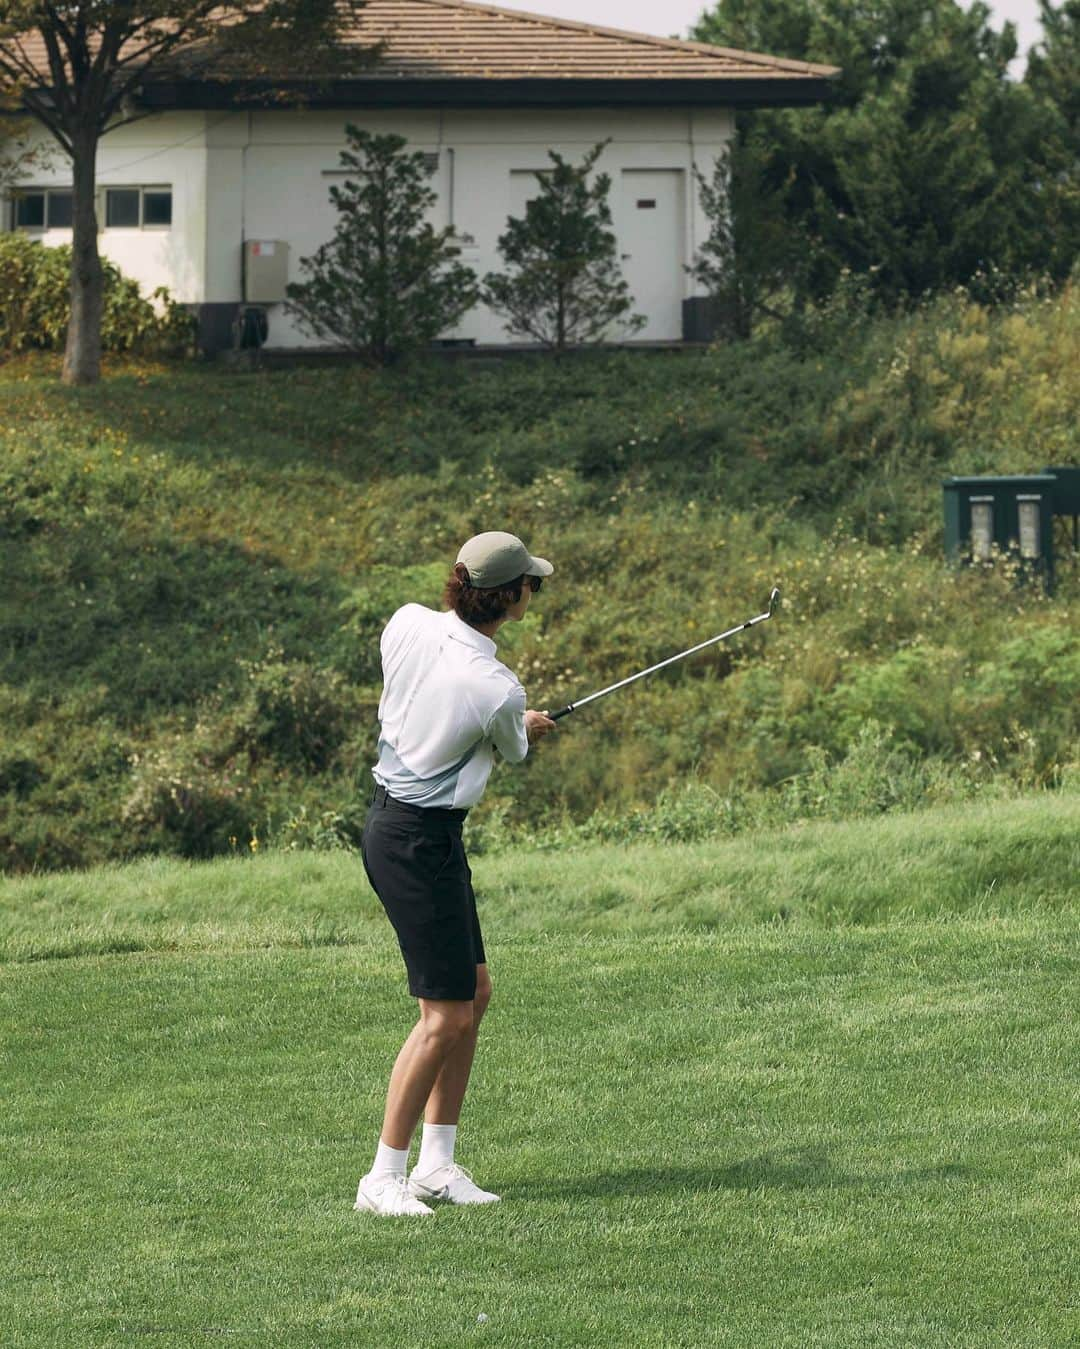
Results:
266 270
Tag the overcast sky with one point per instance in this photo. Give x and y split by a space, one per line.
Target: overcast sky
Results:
672 18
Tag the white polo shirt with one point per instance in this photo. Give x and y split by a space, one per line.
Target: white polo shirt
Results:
447 703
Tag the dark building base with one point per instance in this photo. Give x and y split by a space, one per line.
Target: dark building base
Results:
219 324
707 320
214 326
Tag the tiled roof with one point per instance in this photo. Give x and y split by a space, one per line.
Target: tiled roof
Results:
457 39
460 40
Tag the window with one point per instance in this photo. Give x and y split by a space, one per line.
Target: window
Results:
157 206
982 528
138 207
60 210
46 208
122 208
1028 508
30 211
41 208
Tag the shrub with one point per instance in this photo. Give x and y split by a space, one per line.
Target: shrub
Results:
564 284
160 534
35 304
294 712
318 831
181 802
19 774
368 608
387 282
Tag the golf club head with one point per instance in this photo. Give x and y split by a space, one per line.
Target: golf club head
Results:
774 600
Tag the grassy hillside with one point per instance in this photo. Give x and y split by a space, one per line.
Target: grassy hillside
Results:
197 565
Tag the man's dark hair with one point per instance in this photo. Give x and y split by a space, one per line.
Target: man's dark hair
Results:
475 606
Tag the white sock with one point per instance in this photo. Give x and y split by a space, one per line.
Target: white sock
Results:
436 1147
389 1161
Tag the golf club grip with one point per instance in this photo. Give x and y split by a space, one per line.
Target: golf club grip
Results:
562 712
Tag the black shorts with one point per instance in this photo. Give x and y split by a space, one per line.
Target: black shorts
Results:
415 860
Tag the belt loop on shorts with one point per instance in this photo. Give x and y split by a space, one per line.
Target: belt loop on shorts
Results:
379 797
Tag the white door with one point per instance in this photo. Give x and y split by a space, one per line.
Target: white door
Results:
651 230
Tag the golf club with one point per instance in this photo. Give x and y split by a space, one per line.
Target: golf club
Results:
573 707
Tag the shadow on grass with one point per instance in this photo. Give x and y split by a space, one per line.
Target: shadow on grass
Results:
809 1169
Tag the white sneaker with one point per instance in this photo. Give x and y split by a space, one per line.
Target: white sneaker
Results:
452 1183
388 1196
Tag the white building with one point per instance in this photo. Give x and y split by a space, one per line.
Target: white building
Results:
187 193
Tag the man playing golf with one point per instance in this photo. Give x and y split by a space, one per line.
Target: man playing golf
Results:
447 704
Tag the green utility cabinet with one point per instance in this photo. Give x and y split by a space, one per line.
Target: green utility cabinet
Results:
1006 515
1066 504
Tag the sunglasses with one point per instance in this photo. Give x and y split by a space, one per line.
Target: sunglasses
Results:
535 582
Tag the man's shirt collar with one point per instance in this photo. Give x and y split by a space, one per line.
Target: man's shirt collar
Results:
461 632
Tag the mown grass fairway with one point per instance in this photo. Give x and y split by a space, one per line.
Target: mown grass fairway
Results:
836 1138
779 1134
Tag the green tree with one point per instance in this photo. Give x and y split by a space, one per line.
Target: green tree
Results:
1053 75
78 68
564 285
751 253
1053 69
388 281
21 152
929 168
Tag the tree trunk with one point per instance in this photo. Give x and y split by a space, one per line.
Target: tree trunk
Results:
82 356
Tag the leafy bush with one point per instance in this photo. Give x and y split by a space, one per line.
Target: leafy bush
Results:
876 776
319 831
294 712
181 802
35 304
19 774
368 608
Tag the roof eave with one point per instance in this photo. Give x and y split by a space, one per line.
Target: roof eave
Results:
399 92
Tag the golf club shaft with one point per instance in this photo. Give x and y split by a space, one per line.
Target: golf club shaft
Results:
630 679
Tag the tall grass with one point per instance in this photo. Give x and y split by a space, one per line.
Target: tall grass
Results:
984 860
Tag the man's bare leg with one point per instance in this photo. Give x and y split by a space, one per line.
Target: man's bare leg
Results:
443 1027
448 1092
436 1176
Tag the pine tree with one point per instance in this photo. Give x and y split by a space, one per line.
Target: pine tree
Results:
929 168
1054 64
387 282
751 253
563 285
1053 75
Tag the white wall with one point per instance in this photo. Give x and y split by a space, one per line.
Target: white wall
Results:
290 158
162 151
266 175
